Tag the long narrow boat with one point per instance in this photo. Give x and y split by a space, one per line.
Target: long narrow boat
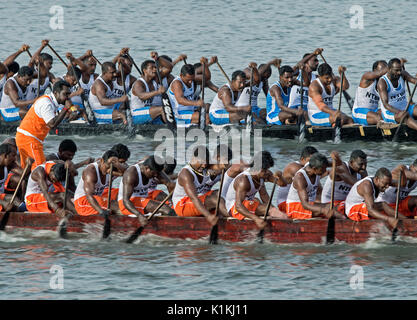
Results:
348 133
277 231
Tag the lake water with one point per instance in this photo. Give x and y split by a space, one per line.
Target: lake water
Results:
237 32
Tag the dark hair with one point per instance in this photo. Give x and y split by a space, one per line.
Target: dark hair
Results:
153 164
263 158
46 56
59 171
383 172
308 151
5 149
145 64
77 74
187 69
122 151
392 61
284 69
325 70
59 86
105 67
318 161
108 154
67 145
25 71
170 165
238 73
13 67
223 150
202 153
376 63
164 56
357 154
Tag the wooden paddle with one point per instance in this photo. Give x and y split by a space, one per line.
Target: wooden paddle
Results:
202 119
338 127
128 111
214 232
224 73
139 230
167 108
330 234
58 56
62 225
39 78
107 226
262 231
396 135
301 121
249 119
97 60
397 203
6 216
134 63
90 114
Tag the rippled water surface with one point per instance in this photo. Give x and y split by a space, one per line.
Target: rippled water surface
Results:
237 32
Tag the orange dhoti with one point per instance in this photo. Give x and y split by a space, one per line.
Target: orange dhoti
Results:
251 205
140 203
404 208
30 148
186 208
295 210
358 212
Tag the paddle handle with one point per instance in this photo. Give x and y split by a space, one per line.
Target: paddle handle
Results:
301 88
270 199
224 73
39 79
58 56
97 60
19 183
134 63
333 176
397 200
160 205
110 186
323 58
66 186
341 89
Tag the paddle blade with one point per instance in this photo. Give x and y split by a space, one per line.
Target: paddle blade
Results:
135 235
349 99
260 236
330 235
169 114
337 132
62 228
106 228
394 234
301 130
214 234
4 221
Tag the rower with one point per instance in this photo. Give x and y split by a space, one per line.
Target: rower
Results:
278 97
182 94
320 98
408 204
101 96
15 171
288 175
240 198
305 189
347 174
39 197
361 205
365 108
258 84
188 198
135 194
224 109
126 65
391 88
88 198
14 104
9 67
146 103
7 159
207 77
165 71
41 117
88 76
307 65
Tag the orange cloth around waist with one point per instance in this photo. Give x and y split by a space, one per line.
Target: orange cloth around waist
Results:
2 198
251 205
403 207
295 210
140 203
186 208
29 148
114 193
6 183
36 202
358 212
84 207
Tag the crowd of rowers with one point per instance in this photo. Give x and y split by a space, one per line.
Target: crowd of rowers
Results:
300 195
380 96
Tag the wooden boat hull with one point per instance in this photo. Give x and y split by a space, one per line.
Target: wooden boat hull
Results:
277 231
353 133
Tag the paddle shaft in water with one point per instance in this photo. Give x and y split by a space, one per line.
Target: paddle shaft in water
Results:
262 231
107 226
330 234
214 230
202 118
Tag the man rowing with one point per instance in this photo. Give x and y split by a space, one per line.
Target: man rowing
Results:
124 64
347 174
278 98
14 103
41 117
365 108
39 195
7 158
137 190
183 96
320 98
9 67
408 204
288 175
227 104
15 171
306 188
102 99
88 198
361 205
88 76
391 88
207 77
240 199
189 199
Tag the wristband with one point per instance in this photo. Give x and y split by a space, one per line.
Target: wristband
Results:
65 109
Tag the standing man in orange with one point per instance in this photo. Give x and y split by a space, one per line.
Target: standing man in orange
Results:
41 117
